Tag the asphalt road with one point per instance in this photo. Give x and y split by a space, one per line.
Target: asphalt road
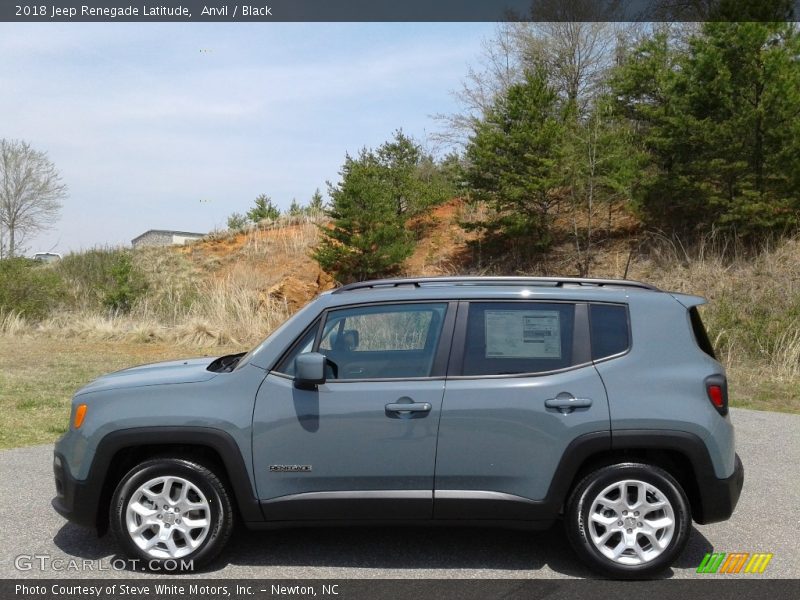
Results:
766 520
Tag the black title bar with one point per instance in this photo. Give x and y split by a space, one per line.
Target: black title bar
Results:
397 10
387 589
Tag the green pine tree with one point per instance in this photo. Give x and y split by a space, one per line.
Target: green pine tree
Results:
515 164
263 209
295 209
316 206
719 123
379 191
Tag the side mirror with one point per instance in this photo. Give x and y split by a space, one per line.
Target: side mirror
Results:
309 370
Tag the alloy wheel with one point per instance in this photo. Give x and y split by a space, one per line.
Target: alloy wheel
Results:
168 517
631 522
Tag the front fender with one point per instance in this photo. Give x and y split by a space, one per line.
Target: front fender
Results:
85 502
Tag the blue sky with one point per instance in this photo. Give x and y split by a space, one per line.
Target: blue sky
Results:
145 121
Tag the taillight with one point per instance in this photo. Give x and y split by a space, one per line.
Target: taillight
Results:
717 391
715 395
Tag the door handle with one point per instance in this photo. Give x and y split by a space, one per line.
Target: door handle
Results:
406 408
399 407
566 402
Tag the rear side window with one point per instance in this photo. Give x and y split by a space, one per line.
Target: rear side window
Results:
700 334
510 338
609 330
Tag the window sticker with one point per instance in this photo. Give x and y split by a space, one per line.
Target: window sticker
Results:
523 334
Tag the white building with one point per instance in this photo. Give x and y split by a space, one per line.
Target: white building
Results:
165 237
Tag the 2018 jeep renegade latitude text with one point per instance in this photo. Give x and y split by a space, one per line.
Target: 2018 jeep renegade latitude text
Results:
508 401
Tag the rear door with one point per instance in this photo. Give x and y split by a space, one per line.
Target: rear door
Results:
520 390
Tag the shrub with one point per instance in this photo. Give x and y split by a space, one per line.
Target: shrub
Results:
28 289
237 221
125 285
103 278
263 209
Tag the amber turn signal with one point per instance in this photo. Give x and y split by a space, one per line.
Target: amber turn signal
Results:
80 413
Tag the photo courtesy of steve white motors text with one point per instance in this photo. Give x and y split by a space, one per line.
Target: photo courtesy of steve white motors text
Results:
161 590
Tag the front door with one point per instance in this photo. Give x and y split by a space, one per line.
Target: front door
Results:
363 444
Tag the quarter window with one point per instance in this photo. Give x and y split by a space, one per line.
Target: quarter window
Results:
510 338
609 330
700 334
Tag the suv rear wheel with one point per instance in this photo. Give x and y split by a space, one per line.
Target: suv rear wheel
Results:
170 509
628 520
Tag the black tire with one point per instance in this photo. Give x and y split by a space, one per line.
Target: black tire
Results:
579 527
220 514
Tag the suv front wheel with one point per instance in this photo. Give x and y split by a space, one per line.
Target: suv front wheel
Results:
628 520
170 509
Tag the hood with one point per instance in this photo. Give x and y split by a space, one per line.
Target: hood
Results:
192 370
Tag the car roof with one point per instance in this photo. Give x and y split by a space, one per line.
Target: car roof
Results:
500 288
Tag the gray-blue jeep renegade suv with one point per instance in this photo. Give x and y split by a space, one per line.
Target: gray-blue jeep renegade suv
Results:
461 400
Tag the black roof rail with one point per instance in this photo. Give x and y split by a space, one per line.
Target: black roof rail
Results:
498 281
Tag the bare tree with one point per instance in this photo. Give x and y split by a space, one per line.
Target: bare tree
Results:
576 54
31 191
499 66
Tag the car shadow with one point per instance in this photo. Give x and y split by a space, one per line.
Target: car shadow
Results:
406 548
80 542
696 549
389 548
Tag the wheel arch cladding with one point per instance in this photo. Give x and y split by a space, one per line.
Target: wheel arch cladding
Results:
120 451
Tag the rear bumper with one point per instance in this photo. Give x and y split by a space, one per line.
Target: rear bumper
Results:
718 497
75 500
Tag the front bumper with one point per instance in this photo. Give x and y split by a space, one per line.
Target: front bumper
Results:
718 497
75 500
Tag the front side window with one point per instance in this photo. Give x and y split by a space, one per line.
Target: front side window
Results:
383 341
511 338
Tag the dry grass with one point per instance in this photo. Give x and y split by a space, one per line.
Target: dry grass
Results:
227 292
11 323
213 297
39 375
218 291
223 313
292 237
753 314
288 235
753 310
